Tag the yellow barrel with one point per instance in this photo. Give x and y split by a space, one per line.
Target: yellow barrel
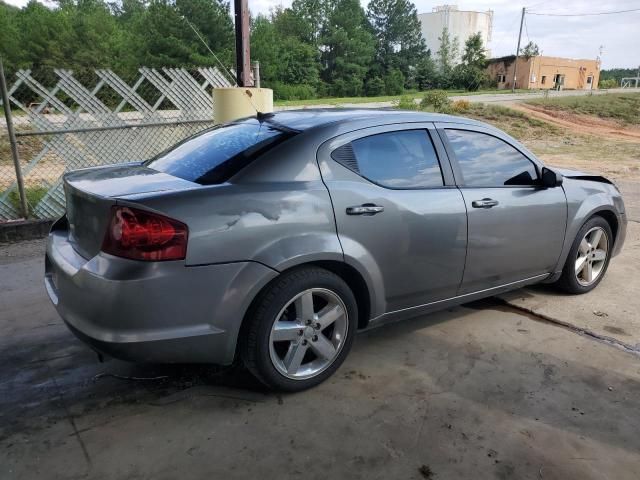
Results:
238 102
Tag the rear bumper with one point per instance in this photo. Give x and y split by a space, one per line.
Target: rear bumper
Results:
151 311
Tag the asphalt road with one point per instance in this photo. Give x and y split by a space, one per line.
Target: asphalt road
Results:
481 391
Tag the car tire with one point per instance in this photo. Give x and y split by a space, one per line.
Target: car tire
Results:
575 278
288 342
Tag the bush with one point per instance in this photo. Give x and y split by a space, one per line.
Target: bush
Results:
374 87
347 87
460 106
394 82
282 91
407 102
608 83
436 99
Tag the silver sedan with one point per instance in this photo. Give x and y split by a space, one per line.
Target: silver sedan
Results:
273 239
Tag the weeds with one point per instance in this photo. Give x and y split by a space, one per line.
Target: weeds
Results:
34 194
622 107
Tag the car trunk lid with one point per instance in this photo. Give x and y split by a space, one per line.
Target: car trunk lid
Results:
91 193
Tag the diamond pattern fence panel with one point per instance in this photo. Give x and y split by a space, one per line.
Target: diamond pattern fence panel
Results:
67 121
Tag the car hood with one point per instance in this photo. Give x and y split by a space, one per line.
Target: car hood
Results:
579 175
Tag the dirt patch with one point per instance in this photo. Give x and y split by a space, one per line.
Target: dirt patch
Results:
581 124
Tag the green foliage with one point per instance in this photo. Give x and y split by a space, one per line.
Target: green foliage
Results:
407 102
284 91
623 107
374 86
426 74
314 48
530 50
618 73
446 56
438 100
34 194
608 83
471 74
284 58
394 82
397 31
10 37
85 34
348 48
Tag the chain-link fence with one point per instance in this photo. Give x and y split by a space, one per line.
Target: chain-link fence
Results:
65 121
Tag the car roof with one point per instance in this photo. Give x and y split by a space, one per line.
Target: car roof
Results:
308 118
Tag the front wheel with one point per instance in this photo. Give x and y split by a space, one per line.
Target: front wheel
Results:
588 258
300 329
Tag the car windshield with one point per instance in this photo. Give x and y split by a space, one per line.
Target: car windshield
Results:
215 155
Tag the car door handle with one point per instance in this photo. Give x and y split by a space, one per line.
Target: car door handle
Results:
484 203
365 209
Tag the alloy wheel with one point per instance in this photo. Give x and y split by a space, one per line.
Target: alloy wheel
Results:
592 256
308 333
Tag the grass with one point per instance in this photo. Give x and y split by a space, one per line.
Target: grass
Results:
383 98
622 107
27 146
33 193
515 123
560 147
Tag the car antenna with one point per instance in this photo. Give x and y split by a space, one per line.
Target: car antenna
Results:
265 116
262 116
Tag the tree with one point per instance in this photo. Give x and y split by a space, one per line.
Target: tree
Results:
10 49
426 73
313 14
212 19
348 47
42 34
470 74
447 55
530 50
92 33
397 30
284 58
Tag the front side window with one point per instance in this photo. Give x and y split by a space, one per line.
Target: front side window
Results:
487 161
402 159
213 156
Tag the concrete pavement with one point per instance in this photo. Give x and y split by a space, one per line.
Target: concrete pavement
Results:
482 391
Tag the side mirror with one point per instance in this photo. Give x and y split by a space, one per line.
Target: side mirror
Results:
550 179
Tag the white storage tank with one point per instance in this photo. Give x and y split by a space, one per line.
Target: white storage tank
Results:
460 23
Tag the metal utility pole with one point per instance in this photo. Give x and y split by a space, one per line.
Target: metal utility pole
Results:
12 140
243 64
515 67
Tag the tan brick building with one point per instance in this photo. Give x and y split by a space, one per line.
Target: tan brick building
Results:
545 73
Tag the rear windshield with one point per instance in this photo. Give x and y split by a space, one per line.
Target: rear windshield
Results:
215 155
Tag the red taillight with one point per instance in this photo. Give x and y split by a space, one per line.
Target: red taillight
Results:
142 235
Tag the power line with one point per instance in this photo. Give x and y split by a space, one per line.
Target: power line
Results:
537 4
225 70
582 14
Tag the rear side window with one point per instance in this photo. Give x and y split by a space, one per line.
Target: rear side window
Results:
487 161
402 159
216 155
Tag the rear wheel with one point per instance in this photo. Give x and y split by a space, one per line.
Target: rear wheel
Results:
300 330
588 258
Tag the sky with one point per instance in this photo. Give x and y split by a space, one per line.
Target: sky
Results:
574 37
